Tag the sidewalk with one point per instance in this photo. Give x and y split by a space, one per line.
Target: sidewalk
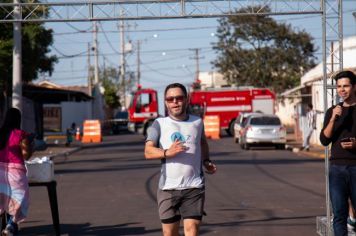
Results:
56 148
294 145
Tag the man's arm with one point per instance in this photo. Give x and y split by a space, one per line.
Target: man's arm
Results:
151 146
153 152
336 112
26 149
204 148
210 167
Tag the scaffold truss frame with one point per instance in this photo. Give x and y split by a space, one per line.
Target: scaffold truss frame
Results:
149 9
330 11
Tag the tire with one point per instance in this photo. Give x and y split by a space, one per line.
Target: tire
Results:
147 125
281 146
230 131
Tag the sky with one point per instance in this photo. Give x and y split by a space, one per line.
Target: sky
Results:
166 46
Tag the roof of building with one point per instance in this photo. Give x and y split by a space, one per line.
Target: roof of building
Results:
49 84
53 94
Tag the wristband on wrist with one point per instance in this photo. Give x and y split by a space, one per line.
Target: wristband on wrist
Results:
164 153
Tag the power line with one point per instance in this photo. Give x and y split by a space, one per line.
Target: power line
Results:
68 56
176 68
107 40
168 75
84 54
71 71
161 39
142 31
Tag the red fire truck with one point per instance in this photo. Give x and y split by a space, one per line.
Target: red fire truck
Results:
227 103
143 110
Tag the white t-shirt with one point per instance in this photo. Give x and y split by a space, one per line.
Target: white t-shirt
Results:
183 171
311 119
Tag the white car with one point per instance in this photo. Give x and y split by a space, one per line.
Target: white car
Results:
263 130
238 121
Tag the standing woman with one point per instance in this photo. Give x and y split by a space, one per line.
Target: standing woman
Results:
14 149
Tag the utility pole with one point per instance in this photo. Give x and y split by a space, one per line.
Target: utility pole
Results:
138 72
98 104
122 60
17 60
96 59
89 71
196 58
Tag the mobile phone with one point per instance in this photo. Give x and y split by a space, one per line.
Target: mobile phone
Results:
346 140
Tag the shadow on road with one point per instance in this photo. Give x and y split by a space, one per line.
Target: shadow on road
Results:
259 222
87 229
267 162
108 169
113 144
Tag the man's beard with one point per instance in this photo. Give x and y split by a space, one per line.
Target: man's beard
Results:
178 112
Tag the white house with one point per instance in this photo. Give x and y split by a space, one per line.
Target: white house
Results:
212 79
69 104
311 87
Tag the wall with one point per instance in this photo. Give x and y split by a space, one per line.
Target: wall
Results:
75 112
28 115
286 110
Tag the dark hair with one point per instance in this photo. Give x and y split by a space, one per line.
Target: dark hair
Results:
176 85
12 121
310 106
346 74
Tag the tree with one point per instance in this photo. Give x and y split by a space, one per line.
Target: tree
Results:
36 40
258 51
109 77
113 89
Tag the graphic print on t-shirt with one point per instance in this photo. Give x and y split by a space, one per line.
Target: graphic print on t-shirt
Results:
177 136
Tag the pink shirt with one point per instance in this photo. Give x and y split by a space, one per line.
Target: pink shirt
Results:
12 151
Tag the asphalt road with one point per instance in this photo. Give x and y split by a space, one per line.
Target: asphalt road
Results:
109 189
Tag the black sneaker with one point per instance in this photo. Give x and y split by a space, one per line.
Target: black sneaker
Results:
351 225
11 229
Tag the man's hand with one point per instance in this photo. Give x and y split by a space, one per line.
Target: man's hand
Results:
210 168
337 111
175 148
349 144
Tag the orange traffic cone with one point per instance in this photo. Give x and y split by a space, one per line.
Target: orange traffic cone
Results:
77 135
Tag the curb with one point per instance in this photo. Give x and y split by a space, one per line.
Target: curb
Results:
293 149
307 153
59 154
65 154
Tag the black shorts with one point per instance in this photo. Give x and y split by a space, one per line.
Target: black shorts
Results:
175 204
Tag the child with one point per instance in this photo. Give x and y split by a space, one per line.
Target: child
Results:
14 149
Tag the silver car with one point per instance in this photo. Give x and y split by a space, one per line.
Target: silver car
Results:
238 121
263 130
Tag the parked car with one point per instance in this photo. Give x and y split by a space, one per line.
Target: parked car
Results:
263 130
120 122
238 121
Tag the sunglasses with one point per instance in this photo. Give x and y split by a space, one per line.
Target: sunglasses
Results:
177 98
